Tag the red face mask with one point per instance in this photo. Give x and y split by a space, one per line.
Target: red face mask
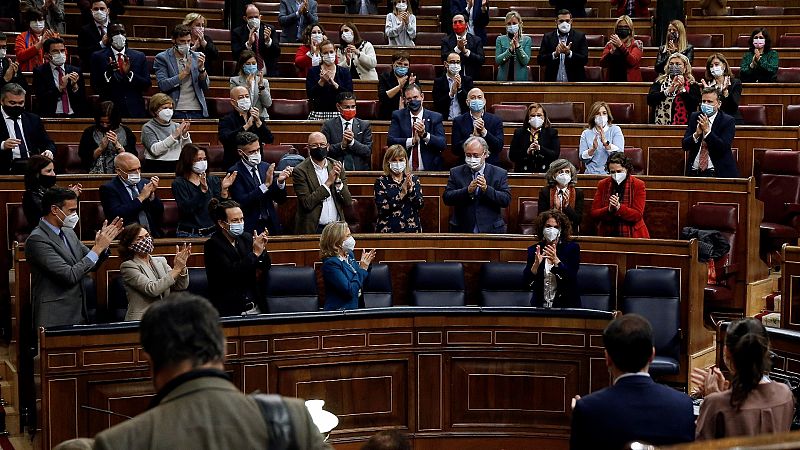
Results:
459 28
348 114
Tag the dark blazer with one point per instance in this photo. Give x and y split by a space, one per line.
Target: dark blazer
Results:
482 210
400 130
575 215
232 124
126 91
635 408
323 98
310 195
89 38
480 17
386 105
342 283
574 65
691 98
36 139
358 155
470 65
719 142
462 130
539 162
245 190
270 55
117 202
48 94
231 272
290 22
730 103
566 272
441 95
17 78
354 6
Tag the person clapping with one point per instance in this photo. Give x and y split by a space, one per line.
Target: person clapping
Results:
343 275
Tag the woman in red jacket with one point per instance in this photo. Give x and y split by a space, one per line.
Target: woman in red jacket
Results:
622 54
28 46
618 205
308 54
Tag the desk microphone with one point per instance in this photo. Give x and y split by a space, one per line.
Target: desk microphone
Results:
106 411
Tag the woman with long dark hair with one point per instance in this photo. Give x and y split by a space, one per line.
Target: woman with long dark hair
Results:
750 403
553 262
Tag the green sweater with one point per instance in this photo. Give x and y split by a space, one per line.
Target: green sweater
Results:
764 71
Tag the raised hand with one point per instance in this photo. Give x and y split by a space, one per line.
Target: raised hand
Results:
473 185
11 71
537 260
107 233
260 242
270 175
203 182
481 182
613 203
285 173
227 182
77 188
550 253
182 255
366 258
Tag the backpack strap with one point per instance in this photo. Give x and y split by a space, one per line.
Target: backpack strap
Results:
279 424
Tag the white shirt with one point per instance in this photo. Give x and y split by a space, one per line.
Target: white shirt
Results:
631 374
329 213
455 108
696 163
116 56
54 69
416 148
467 51
12 135
349 127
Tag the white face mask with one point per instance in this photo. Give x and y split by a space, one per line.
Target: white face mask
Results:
474 163
70 221
200 167
600 120
619 177
347 36
563 179
329 58
165 114
58 58
244 104
564 27
316 37
100 16
183 49
37 25
759 42
536 121
253 22
397 166
551 234
2 53
402 7
454 68
133 178
717 71
349 244
254 159
118 41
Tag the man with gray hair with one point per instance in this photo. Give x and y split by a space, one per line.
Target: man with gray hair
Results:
23 134
477 191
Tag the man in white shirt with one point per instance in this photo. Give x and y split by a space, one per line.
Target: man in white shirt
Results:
450 90
120 75
709 138
58 85
419 130
320 184
349 136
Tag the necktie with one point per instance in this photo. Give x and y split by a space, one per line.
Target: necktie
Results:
414 150
142 215
702 164
560 199
475 176
23 149
66 242
346 126
120 60
256 178
64 94
562 68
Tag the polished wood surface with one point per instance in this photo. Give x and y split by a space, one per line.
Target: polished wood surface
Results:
790 291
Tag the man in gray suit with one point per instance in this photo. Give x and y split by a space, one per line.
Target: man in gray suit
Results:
350 138
294 16
181 74
197 406
60 262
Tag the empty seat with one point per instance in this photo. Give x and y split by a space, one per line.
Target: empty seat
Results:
636 155
92 218
216 156
367 109
351 216
648 74
218 107
18 228
528 212
788 75
571 154
509 113
646 39
503 284
291 289
754 114
768 10
596 286
423 71
428 38
377 290
68 160
561 112
593 73
595 40
218 34
117 299
169 222
374 37
622 112
792 116
437 284
789 40
725 219
780 192
743 40
288 109
274 152
198 281
654 293
699 40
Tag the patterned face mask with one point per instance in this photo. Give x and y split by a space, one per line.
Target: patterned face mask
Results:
143 246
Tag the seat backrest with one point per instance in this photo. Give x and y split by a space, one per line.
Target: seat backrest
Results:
780 183
437 284
636 155
218 107
596 286
699 40
291 289
351 216
428 38
90 287
743 40
654 293
288 109
646 39
595 40
92 218
792 115
169 223
367 109
754 114
17 223
561 112
423 71
525 11
760 10
788 75
648 74
68 160
216 155
117 298
789 40
717 216
219 34
198 281
377 288
374 37
509 113
7 24
528 212
622 112
274 152
593 73
503 284
571 154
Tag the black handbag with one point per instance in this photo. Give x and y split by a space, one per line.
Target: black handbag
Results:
279 423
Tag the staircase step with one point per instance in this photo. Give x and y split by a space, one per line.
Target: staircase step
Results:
12 421
8 391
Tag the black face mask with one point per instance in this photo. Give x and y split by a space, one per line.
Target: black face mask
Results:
13 111
47 181
319 153
623 32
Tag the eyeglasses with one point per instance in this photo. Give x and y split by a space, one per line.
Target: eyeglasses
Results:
317 146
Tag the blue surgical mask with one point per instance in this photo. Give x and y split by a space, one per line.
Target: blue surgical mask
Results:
476 105
236 229
708 110
400 71
250 69
414 105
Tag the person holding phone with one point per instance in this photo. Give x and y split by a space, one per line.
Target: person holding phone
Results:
675 94
342 274
181 74
513 51
674 42
709 138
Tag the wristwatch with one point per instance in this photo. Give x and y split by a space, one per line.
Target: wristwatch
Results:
607 143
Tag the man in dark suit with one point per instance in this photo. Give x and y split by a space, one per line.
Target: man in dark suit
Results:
478 122
362 7
257 36
564 52
469 46
420 131
243 118
131 197
320 183
450 90
350 138
9 69
476 14
58 85
120 75
709 138
60 262
477 191
294 17
256 187
23 134
92 36
635 407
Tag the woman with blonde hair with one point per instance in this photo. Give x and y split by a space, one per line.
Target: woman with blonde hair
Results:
674 42
560 194
342 274
398 195
513 50
622 54
675 95
200 42
600 139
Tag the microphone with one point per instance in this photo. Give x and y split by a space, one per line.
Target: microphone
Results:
106 411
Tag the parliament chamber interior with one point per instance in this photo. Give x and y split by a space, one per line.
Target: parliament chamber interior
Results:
445 346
